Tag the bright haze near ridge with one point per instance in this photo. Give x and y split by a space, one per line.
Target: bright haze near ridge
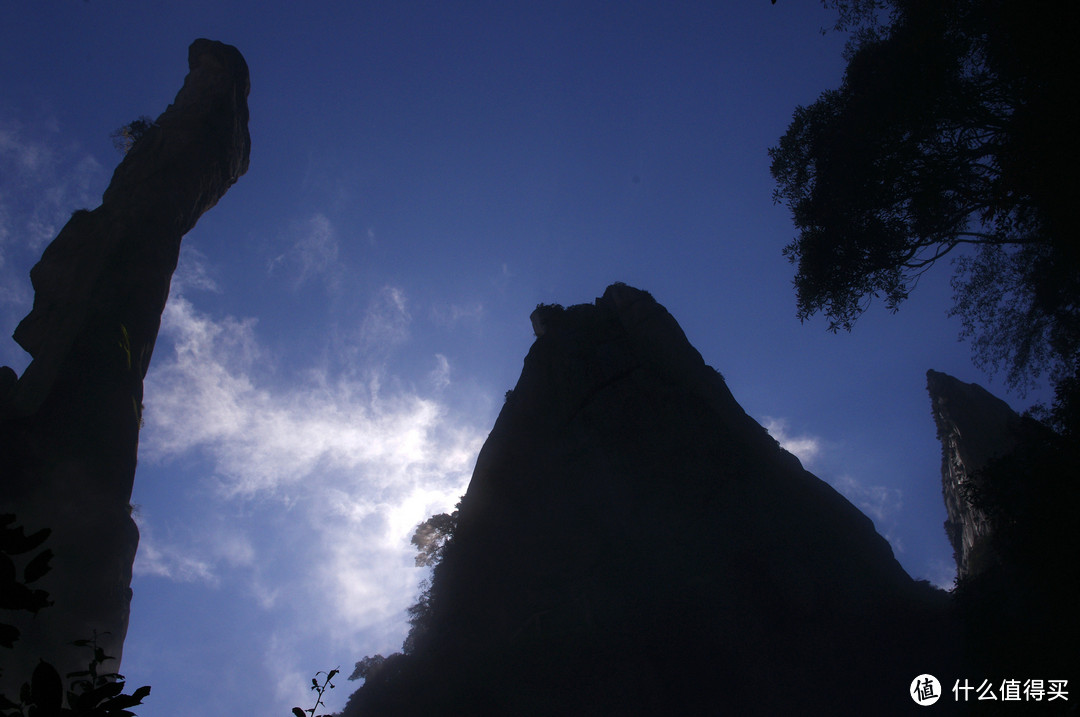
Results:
344 324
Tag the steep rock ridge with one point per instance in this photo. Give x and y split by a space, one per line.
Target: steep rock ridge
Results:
974 427
632 542
1012 491
69 425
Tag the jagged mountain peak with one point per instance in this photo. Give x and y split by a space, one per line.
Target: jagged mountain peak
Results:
630 533
974 427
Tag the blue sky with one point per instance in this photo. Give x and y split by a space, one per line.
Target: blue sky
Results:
344 324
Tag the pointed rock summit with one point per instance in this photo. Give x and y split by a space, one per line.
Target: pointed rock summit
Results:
117 260
69 426
1012 494
632 542
975 428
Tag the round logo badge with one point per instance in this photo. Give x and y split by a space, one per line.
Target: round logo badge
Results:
925 690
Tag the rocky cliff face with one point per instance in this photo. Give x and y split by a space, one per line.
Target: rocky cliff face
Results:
633 543
69 425
1012 494
975 428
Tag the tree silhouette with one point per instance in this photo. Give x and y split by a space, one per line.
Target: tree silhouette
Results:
126 137
952 128
432 535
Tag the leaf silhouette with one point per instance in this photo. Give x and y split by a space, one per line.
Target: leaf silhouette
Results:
46 690
37 567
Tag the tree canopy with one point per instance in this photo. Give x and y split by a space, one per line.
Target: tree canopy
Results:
952 129
126 137
432 535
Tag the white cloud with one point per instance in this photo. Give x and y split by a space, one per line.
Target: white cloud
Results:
168 561
805 448
342 470
317 248
881 503
440 375
41 184
197 398
197 556
386 321
192 272
502 280
291 685
233 548
264 440
450 315
28 157
313 254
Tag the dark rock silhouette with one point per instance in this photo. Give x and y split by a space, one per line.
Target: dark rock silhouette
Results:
974 427
1012 492
69 426
633 543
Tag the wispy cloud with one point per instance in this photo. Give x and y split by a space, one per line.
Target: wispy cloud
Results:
41 182
340 468
440 375
262 439
449 316
168 560
805 448
313 254
28 157
193 273
317 249
879 502
882 503
504 278
386 321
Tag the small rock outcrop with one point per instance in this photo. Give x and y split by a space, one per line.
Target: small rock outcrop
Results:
632 542
69 426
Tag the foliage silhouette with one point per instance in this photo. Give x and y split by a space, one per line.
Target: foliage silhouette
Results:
1027 591
367 666
16 594
433 534
952 128
91 692
432 538
125 138
320 691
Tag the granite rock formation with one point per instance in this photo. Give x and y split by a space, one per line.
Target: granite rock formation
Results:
632 542
69 426
1012 492
975 428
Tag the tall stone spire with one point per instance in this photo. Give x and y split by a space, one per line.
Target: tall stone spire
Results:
974 427
69 426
